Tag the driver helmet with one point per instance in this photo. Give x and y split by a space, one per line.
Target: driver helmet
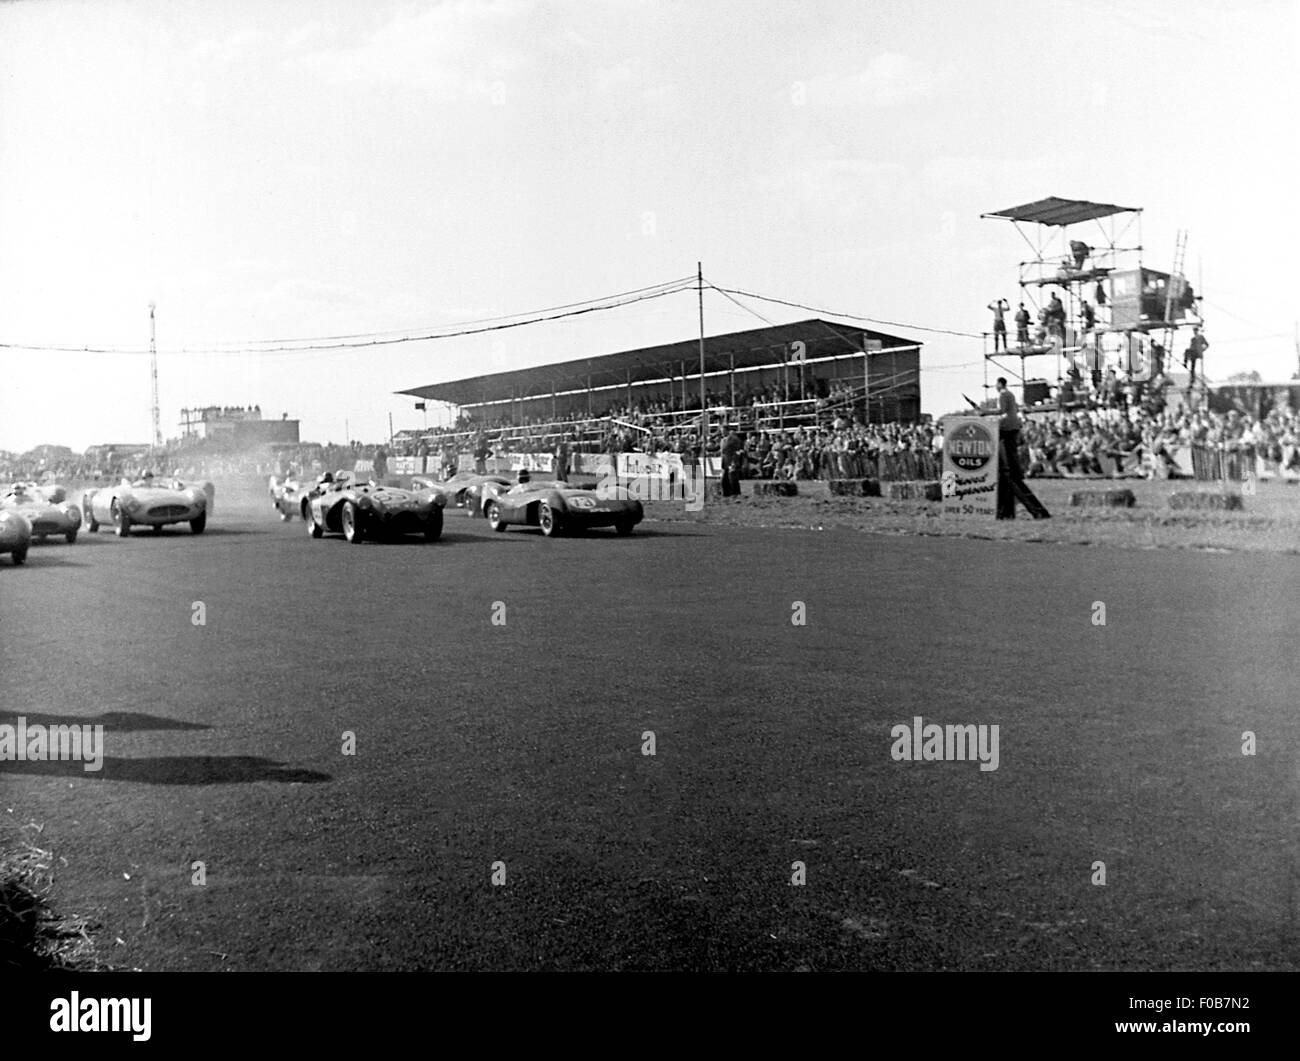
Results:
524 476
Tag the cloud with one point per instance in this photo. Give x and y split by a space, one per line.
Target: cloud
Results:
950 174
231 49
454 50
845 180
888 80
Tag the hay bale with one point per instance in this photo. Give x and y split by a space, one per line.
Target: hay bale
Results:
915 490
1205 499
1103 499
775 488
855 487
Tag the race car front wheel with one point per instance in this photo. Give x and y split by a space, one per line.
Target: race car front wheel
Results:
121 521
494 516
313 528
20 556
549 520
433 528
351 520
198 523
92 524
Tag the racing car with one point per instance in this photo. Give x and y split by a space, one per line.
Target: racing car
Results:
152 501
45 508
367 510
464 489
289 495
15 534
557 507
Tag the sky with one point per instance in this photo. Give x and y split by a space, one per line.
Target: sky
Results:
288 170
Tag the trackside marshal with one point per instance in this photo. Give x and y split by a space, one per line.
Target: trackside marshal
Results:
970 466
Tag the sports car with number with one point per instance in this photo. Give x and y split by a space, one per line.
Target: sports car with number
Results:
150 501
15 534
464 489
557 507
45 509
367 510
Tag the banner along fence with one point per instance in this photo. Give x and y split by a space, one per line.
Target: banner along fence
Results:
887 467
1220 464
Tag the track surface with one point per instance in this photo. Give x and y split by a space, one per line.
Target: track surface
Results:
522 743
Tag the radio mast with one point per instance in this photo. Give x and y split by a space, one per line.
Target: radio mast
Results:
153 368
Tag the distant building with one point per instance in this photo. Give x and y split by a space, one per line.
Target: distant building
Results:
237 426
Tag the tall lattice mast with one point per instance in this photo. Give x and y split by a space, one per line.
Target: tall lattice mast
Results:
153 369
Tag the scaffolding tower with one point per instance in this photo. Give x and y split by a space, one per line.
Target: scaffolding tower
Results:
1091 301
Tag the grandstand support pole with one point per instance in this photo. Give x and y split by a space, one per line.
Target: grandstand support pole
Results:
866 383
704 409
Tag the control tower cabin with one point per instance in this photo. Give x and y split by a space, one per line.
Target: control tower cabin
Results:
1092 304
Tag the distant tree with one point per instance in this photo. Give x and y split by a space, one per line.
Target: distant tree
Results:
1245 377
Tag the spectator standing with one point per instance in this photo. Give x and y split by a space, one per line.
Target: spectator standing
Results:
1009 429
1056 316
1195 353
1022 326
562 460
732 447
1157 359
999 309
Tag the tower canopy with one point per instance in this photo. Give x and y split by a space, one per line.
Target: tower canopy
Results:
1061 212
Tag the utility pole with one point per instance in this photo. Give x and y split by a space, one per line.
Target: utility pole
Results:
153 358
704 409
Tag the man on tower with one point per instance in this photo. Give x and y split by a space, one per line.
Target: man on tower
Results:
1195 354
999 309
1022 326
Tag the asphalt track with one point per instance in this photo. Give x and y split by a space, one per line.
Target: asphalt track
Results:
522 743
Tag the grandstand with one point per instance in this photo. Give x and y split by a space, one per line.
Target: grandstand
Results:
777 377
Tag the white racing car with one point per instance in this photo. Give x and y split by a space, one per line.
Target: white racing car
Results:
151 501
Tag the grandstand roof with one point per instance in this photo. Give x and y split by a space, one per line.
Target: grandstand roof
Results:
750 349
1061 212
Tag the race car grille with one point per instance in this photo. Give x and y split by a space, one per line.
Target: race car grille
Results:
44 526
168 511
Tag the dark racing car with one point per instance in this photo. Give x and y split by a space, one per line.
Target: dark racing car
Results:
370 511
557 507
464 489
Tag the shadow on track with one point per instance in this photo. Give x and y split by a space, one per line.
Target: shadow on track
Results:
39 556
173 770
119 721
